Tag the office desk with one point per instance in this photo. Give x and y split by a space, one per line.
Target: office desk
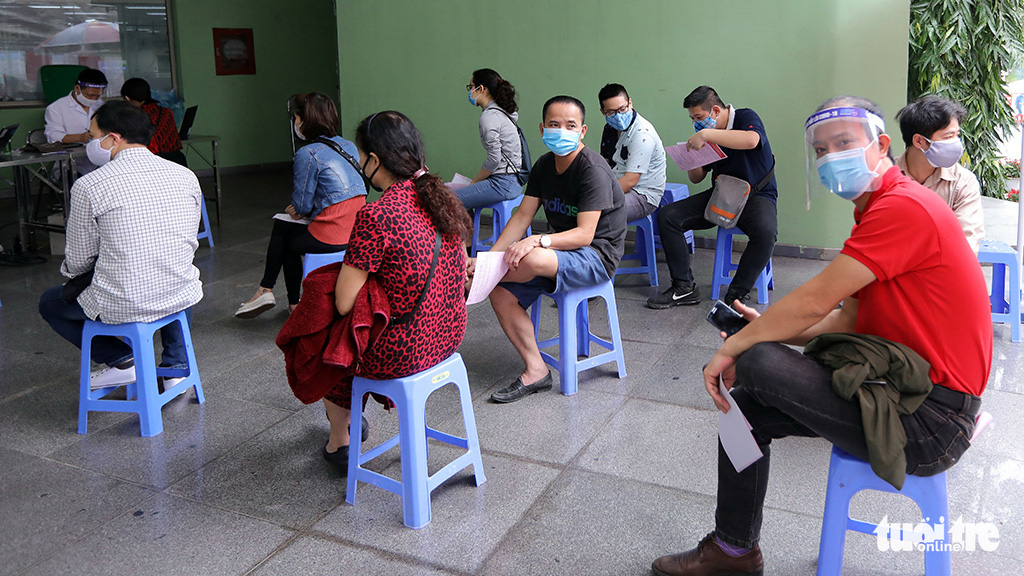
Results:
29 166
189 143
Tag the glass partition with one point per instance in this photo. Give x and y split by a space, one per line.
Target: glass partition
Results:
123 39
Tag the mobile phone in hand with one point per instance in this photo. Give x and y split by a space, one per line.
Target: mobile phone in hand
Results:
726 319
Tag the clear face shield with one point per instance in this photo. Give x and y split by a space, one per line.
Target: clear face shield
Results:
839 142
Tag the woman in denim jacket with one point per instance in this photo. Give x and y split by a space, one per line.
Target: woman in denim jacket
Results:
327 194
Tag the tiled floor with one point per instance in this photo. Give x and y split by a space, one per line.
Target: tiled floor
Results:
597 483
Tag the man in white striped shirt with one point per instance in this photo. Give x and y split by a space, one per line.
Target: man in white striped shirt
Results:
133 225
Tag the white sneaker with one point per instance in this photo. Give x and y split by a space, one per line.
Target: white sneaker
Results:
261 304
168 383
110 377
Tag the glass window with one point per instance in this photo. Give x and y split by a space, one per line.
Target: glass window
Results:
122 38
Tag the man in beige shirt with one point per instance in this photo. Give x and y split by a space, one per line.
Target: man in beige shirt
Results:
931 131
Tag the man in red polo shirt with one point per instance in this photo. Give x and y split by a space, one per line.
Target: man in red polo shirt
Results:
906 274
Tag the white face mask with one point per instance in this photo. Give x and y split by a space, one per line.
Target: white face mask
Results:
96 153
86 101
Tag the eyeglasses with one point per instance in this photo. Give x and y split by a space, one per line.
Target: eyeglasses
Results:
623 110
470 87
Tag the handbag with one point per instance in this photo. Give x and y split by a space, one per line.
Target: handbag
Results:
729 196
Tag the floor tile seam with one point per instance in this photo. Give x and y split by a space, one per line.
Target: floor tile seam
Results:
175 480
388 554
31 390
277 550
516 526
561 474
69 543
214 505
128 481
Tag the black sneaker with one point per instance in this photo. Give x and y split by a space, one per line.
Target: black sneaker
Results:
676 295
732 295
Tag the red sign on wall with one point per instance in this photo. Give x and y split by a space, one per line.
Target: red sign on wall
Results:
233 51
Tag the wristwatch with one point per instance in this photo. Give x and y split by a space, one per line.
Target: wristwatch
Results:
545 241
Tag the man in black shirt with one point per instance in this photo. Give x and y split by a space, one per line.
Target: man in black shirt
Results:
741 135
586 214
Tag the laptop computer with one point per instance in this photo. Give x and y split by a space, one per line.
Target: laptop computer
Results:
187 121
6 133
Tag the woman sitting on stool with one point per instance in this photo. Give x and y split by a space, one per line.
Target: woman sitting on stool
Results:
328 193
165 143
395 239
496 180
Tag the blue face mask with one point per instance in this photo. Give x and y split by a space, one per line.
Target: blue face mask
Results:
620 120
708 122
846 173
471 99
561 142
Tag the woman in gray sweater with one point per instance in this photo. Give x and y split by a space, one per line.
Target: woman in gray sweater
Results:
496 180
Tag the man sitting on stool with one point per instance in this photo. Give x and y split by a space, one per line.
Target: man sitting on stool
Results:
633 150
893 278
132 227
931 131
741 135
586 215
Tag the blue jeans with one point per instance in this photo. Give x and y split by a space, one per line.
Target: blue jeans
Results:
758 221
493 189
784 393
68 320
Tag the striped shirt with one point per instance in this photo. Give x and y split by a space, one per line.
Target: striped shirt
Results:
135 220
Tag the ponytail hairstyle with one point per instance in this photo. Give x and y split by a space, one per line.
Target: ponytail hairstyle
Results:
397 143
501 90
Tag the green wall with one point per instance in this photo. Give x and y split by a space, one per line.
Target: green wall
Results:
296 51
781 58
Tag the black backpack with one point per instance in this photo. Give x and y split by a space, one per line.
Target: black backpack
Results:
523 174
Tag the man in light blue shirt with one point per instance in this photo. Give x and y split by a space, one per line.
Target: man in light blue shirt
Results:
638 158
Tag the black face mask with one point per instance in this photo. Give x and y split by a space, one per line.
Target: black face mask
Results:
369 179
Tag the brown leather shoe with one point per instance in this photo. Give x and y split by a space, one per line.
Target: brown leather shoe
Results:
708 559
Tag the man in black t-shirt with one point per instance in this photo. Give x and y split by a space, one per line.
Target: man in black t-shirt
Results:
586 215
741 135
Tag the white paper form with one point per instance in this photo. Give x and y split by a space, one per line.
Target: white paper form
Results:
734 432
688 159
459 181
288 218
490 269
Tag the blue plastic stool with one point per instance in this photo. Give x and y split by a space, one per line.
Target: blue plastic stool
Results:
574 335
501 212
673 193
643 251
311 262
410 396
848 475
724 266
1005 305
143 396
206 231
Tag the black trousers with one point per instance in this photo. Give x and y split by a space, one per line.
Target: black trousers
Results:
288 242
784 393
758 221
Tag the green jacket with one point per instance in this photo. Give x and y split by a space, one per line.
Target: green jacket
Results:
888 379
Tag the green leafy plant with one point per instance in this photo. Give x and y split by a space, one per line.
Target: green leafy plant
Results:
960 49
1011 168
